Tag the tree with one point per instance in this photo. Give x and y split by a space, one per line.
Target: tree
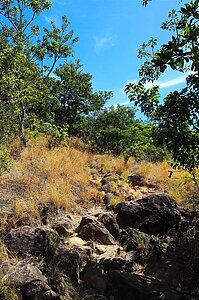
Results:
29 95
178 116
74 92
26 65
115 130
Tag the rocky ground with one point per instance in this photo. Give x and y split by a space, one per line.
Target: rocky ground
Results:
144 248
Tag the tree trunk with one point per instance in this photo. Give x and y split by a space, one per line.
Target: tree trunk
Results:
22 116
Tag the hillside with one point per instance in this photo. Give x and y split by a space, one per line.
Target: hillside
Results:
75 225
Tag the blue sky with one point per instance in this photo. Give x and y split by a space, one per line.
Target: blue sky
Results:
110 32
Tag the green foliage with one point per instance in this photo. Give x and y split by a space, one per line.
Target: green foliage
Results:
177 117
74 91
58 135
116 131
29 96
5 161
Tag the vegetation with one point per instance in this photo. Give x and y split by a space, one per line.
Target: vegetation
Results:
46 97
29 95
177 117
116 131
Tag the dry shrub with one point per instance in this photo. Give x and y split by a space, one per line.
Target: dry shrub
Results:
58 176
179 185
26 210
110 164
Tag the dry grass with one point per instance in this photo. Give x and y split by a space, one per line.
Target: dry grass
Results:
67 176
179 186
58 176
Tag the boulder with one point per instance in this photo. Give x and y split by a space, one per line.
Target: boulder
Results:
155 214
110 178
91 229
134 240
93 277
135 179
28 240
109 221
31 283
125 286
63 226
67 262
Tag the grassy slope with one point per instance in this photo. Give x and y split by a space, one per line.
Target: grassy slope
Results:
62 177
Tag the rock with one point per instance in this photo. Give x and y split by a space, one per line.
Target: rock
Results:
132 239
106 187
63 226
75 241
135 179
125 286
28 240
31 283
91 229
128 214
155 214
108 251
68 262
109 221
108 197
93 277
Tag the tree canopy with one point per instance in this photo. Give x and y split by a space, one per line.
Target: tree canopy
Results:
34 87
177 116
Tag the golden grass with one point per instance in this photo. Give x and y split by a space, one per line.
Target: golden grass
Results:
58 176
179 186
67 176
110 164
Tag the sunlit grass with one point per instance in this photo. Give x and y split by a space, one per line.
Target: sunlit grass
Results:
67 176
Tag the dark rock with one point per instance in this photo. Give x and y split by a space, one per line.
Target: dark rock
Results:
68 262
31 283
109 221
135 179
63 226
155 214
110 264
93 277
128 214
132 239
28 240
125 286
91 229
106 187
107 200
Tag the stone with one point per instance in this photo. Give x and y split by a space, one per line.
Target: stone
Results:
93 277
132 239
63 226
110 178
68 262
91 229
125 286
28 240
135 179
109 221
155 214
31 283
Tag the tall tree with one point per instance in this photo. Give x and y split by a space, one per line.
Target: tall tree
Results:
178 116
28 59
74 92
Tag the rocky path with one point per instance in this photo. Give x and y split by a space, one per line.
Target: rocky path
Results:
144 248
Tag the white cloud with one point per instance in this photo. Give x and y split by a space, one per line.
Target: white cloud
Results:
103 42
172 82
164 84
53 18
